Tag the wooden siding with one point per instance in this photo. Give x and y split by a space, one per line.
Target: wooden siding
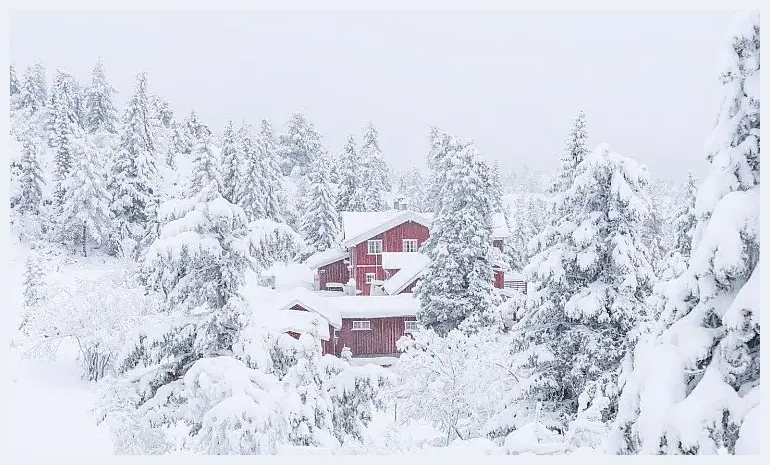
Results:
498 243
499 279
380 340
391 242
336 272
409 288
327 347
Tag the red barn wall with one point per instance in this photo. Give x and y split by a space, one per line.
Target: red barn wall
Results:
409 288
336 272
499 279
391 242
378 341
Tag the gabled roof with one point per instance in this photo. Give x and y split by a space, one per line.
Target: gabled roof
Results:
360 226
263 299
499 226
374 306
325 257
411 266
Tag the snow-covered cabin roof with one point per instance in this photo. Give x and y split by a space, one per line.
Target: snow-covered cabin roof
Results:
410 265
297 321
499 226
325 257
360 226
290 275
374 306
263 299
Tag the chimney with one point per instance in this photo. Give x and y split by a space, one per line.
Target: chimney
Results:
350 287
400 203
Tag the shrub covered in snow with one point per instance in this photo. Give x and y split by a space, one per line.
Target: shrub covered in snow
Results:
455 382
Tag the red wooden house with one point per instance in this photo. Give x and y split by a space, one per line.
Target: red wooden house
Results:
379 253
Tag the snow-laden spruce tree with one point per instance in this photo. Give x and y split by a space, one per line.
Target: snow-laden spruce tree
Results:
34 295
272 192
299 146
30 195
683 218
34 92
261 191
14 83
85 214
134 182
65 130
413 187
100 112
694 388
232 163
351 196
591 275
205 164
523 229
321 221
439 155
374 171
575 151
456 287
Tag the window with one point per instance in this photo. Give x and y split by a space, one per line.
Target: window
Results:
374 247
362 325
410 245
411 326
370 277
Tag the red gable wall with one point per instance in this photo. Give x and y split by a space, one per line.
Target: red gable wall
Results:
391 242
376 342
336 272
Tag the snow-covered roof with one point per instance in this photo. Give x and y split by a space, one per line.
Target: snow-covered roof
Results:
290 275
499 227
411 266
297 321
325 257
374 306
359 226
263 299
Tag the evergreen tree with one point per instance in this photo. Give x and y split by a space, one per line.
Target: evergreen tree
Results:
14 83
456 288
134 180
688 397
575 151
439 155
85 211
412 186
232 162
300 145
592 275
321 222
191 131
350 197
374 170
684 219
273 194
100 112
41 82
497 191
31 177
32 96
33 290
205 171
65 130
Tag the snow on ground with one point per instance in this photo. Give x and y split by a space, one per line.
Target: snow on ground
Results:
48 403
49 408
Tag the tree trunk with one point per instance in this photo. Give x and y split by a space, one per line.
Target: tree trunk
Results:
84 239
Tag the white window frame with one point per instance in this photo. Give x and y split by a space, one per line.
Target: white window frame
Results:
371 248
370 277
411 326
362 325
410 241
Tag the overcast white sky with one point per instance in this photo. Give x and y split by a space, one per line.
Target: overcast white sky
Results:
510 80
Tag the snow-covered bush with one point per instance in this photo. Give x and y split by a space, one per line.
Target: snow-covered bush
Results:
274 242
356 393
97 310
455 382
